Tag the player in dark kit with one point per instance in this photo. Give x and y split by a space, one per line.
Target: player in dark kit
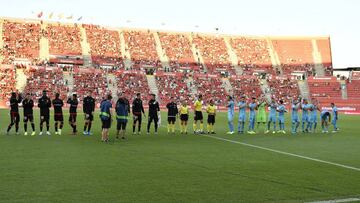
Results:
88 109
154 111
28 105
44 104
15 100
58 113
73 114
137 109
172 112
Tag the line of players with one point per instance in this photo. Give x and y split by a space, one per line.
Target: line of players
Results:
44 104
277 112
122 112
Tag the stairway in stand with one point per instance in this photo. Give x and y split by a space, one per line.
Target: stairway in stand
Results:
265 89
44 44
112 86
160 51
275 61
233 57
196 53
86 50
193 89
227 85
70 81
319 67
343 86
125 53
304 89
152 85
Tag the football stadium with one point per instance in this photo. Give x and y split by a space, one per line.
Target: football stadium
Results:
100 104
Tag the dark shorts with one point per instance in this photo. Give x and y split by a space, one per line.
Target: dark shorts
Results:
211 119
90 117
46 117
72 118
59 117
154 118
14 117
121 125
171 119
29 117
198 116
106 124
137 117
184 117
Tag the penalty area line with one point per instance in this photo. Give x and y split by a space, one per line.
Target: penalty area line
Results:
284 153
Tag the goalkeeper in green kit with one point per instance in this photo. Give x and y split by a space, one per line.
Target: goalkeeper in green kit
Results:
261 113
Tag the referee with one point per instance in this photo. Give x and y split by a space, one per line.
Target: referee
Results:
198 115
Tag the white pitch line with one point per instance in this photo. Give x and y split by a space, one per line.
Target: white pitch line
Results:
337 200
285 153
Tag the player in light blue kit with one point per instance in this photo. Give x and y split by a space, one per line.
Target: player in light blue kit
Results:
272 115
282 110
305 116
231 112
242 115
314 115
335 117
295 116
325 120
252 116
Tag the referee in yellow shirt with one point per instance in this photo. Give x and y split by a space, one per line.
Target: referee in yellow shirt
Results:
211 110
184 117
198 115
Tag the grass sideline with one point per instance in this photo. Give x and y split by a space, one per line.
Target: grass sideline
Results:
177 168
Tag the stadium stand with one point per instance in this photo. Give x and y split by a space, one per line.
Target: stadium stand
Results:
295 55
7 80
178 48
214 53
325 51
142 47
253 54
90 79
64 39
327 87
211 87
104 46
41 78
245 85
21 40
132 82
353 86
283 88
172 85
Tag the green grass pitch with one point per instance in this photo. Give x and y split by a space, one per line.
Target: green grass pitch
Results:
178 168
